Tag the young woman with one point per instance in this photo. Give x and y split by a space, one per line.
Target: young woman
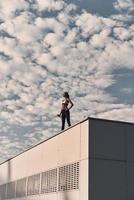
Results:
65 110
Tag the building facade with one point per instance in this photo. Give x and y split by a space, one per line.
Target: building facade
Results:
55 169
93 160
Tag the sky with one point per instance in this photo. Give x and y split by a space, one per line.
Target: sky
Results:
84 47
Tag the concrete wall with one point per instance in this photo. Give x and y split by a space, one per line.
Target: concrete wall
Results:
66 148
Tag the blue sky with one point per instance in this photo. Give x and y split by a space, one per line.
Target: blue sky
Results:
102 7
85 47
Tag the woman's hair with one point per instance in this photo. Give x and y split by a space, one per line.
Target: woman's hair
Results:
66 94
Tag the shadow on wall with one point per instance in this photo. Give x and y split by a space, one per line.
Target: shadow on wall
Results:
9 171
66 196
10 184
64 187
8 190
3 187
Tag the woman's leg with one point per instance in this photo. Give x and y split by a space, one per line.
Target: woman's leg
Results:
63 116
68 117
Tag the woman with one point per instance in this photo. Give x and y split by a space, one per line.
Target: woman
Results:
65 113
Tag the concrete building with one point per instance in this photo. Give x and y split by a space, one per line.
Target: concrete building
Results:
93 160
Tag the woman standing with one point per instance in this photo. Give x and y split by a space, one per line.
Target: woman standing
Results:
65 110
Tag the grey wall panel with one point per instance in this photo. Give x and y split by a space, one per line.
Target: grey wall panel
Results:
107 180
107 139
130 181
130 142
21 188
33 185
3 192
11 190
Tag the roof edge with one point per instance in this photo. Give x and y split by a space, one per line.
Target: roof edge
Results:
88 118
44 140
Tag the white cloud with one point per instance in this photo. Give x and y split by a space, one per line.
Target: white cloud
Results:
119 114
50 5
124 4
24 31
127 90
89 23
102 39
9 8
71 36
51 39
5 69
45 59
70 7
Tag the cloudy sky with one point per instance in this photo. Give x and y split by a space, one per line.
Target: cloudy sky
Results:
85 47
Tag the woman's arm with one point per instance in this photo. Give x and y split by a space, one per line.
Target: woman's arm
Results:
62 103
59 115
71 104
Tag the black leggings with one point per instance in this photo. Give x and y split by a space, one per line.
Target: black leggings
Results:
65 115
